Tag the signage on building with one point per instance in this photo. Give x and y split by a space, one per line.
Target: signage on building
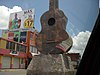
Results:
14 52
22 19
10 35
17 36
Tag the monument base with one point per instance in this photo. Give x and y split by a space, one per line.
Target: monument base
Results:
51 64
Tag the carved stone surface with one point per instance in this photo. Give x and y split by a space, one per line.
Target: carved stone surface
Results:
52 42
51 64
53 37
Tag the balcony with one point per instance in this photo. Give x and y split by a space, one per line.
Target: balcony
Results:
9 47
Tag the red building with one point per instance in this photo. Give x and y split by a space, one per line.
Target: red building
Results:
75 59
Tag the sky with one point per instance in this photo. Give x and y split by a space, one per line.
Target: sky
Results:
81 15
0 33
99 3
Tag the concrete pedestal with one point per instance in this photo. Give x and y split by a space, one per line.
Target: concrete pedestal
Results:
52 64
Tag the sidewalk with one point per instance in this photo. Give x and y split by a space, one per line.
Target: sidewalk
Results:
13 72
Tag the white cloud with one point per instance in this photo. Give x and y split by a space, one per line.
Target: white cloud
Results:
5 13
80 42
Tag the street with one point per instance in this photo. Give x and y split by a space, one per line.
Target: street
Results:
13 72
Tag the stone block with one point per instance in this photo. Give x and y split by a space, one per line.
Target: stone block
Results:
51 64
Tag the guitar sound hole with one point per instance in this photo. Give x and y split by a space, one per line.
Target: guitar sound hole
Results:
51 21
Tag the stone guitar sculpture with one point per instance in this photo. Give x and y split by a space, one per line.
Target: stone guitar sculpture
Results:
52 42
53 38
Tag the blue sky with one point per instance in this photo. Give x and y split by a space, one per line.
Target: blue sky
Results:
81 13
0 33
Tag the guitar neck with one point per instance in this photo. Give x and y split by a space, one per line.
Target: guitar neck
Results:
53 4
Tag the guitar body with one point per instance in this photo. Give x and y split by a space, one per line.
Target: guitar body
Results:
53 32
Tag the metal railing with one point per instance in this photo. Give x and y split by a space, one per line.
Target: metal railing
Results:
12 45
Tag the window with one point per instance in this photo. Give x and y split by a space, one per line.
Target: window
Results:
18 47
12 46
33 49
8 45
22 48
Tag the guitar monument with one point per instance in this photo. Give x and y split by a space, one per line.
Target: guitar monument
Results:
53 42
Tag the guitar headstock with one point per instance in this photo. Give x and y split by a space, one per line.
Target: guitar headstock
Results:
53 4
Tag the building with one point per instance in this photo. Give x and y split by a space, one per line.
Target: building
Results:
16 52
17 44
75 59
